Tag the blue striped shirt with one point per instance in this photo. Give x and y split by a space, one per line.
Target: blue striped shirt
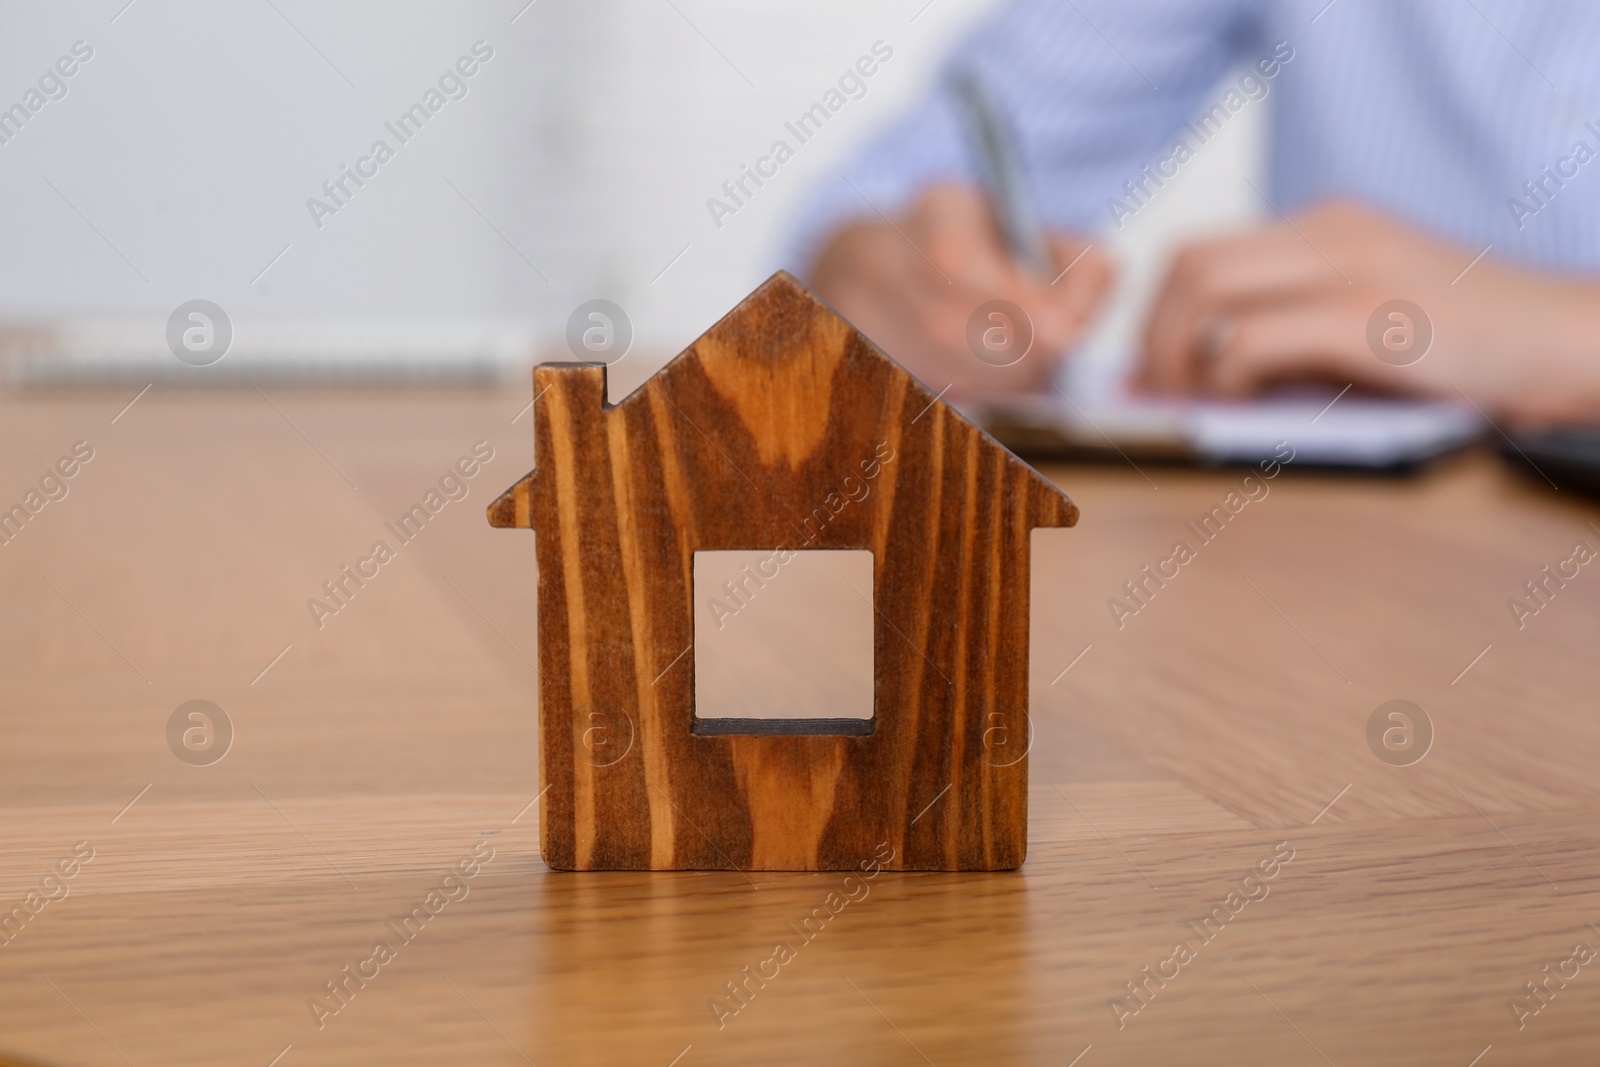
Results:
1478 120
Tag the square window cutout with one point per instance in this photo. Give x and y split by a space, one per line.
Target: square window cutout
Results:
783 642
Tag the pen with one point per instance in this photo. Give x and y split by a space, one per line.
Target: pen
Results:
997 165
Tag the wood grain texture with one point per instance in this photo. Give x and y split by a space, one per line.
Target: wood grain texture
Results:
780 428
1171 758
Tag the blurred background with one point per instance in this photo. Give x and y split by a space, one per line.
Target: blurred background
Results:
577 165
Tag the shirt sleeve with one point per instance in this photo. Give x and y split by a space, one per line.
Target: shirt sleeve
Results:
1090 90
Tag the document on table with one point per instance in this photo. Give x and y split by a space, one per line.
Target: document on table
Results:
1343 431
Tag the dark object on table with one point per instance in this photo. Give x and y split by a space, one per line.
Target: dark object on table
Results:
1567 458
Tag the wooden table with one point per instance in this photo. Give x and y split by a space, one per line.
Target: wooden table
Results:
1171 758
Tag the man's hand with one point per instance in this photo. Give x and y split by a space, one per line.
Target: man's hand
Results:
913 286
1293 302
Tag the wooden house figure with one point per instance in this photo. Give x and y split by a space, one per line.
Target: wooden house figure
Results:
729 446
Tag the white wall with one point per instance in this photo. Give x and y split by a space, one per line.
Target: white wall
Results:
193 138
590 142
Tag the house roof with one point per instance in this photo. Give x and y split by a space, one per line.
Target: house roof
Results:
784 363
